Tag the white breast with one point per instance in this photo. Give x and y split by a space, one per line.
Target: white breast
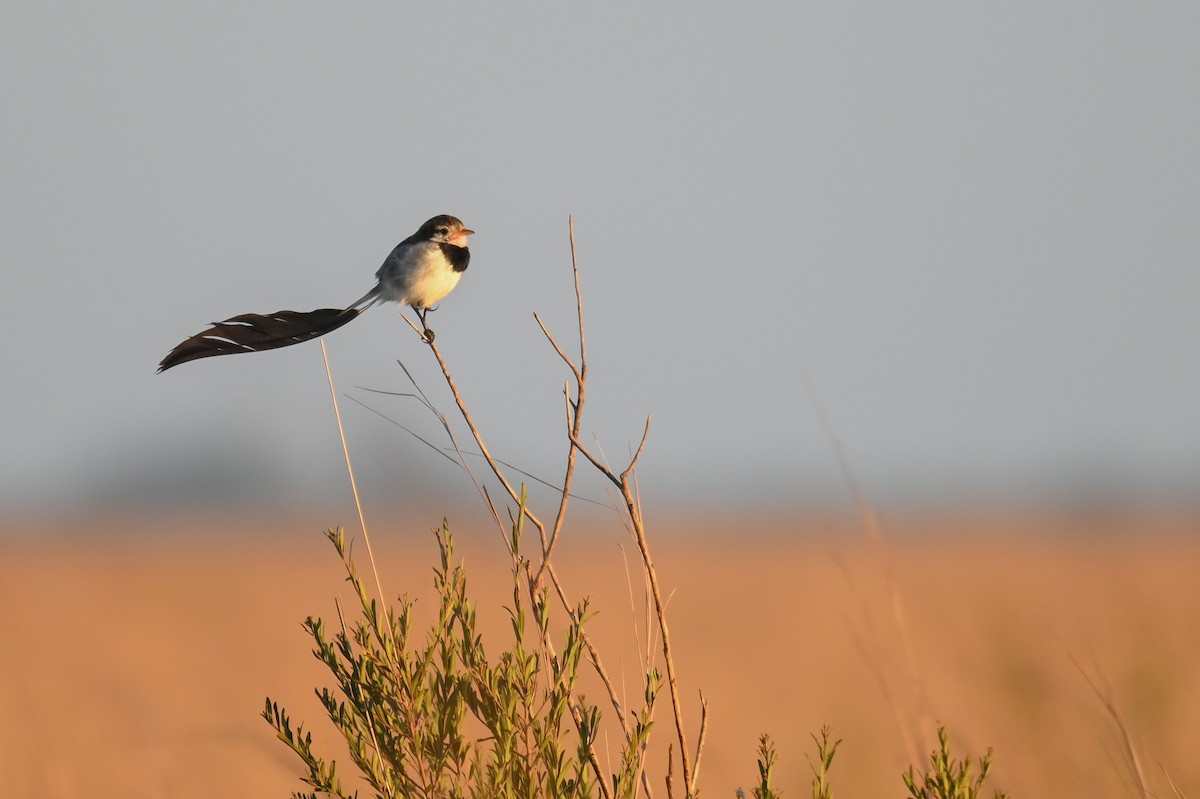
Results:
417 274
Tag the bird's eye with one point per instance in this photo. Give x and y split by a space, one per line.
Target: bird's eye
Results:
442 231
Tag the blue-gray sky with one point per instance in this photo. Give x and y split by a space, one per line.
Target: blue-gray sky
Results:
974 229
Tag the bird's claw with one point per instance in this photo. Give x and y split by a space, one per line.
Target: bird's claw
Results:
428 333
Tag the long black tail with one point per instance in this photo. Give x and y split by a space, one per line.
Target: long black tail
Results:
252 332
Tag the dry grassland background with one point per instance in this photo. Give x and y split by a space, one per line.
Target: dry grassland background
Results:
135 662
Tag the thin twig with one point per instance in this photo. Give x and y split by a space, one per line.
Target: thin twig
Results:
387 418
633 463
643 653
444 451
441 417
699 743
566 358
578 300
416 329
487 456
600 467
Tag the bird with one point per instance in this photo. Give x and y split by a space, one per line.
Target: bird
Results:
419 272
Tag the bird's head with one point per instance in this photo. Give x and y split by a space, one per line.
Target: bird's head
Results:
445 228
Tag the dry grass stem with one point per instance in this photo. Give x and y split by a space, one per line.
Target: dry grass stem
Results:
350 470
874 533
1105 695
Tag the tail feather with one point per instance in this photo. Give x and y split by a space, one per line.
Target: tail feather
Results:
254 332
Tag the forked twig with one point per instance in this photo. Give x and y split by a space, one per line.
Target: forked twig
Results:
575 418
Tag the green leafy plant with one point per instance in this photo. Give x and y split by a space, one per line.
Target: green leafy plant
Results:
405 703
766 764
826 749
948 778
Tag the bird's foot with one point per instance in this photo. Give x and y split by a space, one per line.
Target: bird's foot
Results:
428 334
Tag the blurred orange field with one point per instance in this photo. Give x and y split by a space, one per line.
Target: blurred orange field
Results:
136 661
